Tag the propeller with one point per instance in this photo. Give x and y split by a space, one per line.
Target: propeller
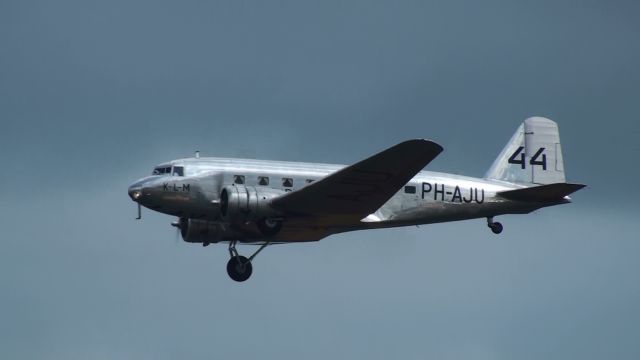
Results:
181 225
178 226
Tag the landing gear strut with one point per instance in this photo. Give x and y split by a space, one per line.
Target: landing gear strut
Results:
239 267
495 226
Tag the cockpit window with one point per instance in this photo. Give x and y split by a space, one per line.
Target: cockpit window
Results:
167 170
160 170
178 171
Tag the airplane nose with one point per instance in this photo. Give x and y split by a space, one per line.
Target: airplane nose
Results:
140 189
135 192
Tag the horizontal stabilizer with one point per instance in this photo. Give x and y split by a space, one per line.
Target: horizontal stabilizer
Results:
550 192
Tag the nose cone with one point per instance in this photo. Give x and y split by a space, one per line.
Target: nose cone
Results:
137 188
135 192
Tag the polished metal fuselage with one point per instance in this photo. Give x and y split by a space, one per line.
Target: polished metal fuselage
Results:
429 197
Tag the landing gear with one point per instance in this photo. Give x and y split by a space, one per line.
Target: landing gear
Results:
495 227
239 267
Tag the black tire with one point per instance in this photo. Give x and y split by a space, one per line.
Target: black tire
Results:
239 268
496 227
269 227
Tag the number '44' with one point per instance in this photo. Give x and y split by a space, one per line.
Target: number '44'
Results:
518 158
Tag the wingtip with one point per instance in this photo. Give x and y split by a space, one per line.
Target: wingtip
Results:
434 146
427 147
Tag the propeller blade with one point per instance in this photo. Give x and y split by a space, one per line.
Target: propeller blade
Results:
178 226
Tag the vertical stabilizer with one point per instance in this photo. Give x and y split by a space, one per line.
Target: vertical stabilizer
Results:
532 156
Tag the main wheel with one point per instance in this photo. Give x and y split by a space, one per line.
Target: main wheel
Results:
239 268
269 227
496 227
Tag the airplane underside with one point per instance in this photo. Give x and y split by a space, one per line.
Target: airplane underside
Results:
315 230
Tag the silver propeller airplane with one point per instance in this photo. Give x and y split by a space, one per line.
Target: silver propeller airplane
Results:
273 202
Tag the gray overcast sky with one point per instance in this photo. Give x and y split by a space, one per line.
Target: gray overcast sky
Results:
93 94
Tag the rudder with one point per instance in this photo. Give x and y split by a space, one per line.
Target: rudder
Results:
532 156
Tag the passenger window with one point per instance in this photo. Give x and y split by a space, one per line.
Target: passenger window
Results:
410 189
309 181
287 182
263 180
238 179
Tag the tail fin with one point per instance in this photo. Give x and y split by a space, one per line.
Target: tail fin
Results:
532 156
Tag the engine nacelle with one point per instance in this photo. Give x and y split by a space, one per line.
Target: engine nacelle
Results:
239 203
204 231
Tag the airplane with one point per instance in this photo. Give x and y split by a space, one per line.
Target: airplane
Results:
261 202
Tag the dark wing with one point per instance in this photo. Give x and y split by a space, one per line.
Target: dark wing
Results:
362 188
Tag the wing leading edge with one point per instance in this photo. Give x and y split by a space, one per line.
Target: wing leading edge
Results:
362 188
